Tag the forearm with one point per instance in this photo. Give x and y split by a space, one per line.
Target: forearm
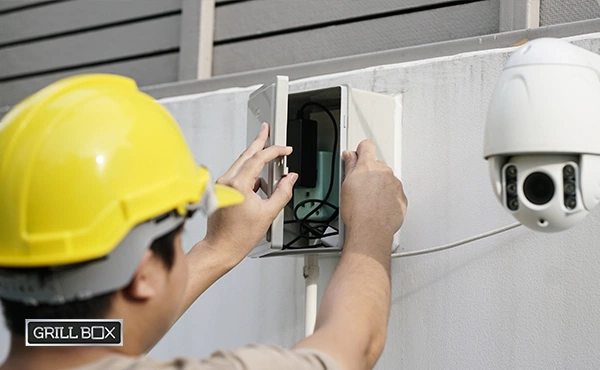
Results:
206 264
356 303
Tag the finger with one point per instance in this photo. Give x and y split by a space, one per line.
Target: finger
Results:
253 166
403 195
282 195
350 159
257 145
366 151
385 167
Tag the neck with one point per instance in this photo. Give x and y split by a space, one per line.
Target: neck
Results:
22 357
135 343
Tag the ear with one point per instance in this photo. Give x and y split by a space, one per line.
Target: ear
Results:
149 277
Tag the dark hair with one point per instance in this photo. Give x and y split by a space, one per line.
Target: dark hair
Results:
96 307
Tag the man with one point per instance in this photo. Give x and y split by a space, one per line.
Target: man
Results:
95 184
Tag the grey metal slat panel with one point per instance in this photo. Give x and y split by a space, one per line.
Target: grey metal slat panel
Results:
196 45
97 46
256 17
13 4
354 62
76 15
564 11
519 14
448 23
148 71
420 52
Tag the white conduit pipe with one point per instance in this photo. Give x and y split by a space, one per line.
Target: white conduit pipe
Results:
311 275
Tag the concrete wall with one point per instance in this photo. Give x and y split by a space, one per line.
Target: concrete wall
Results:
520 300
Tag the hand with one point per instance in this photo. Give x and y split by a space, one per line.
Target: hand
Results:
236 230
372 198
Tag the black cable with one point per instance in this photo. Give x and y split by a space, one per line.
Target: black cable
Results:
333 157
290 244
305 228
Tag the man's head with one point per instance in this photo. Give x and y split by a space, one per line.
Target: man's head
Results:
96 180
161 296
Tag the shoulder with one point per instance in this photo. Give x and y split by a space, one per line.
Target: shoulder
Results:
252 357
265 357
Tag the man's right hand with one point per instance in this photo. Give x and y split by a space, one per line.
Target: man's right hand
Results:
353 316
236 230
372 198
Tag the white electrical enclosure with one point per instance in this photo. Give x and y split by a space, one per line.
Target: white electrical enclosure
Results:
358 115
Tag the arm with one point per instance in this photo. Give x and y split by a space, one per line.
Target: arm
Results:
206 265
233 232
352 320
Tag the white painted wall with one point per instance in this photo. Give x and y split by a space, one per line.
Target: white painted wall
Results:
520 300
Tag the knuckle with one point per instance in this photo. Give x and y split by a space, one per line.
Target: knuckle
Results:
261 156
236 183
366 142
287 192
404 202
369 165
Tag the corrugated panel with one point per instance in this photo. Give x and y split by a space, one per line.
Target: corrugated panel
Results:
565 11
106 45
147 71
447 23
6 5
227 2
253 18
62 17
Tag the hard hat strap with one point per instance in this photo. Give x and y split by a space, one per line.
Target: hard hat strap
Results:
89 279
208 203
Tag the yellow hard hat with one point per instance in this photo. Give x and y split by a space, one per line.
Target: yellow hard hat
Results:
82 162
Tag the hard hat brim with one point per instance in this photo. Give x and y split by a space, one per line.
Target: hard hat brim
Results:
227 196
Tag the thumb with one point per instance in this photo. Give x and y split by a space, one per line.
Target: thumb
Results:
282 195
350 158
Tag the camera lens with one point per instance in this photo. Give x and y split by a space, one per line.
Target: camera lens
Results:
569 172
511 171
569 188
513 204
571 202
511 188
538 188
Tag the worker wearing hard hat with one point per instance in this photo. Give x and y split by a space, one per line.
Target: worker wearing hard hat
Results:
96 182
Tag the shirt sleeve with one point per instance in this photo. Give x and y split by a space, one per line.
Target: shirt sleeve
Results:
253 357
262 357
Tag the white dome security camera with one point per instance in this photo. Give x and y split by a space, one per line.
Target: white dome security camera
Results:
542 135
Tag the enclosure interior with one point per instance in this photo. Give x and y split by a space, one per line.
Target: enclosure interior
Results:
307 219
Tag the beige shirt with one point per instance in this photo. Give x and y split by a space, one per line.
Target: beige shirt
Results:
254 357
